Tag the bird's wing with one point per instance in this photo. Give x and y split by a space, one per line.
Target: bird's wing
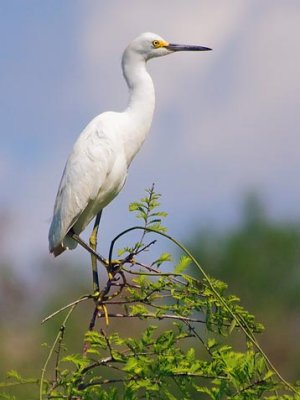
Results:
88 165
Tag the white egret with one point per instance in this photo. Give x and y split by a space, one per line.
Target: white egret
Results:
97 167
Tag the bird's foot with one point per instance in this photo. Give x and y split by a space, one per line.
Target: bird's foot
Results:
96 295
113 268
112 265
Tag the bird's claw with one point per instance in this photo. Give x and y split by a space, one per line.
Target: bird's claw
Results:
96 295
111 263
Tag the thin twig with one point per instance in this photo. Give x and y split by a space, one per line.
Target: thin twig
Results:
60 333
74 303
196 334
262 381
142 249
149 273
89 249
163 316
134 378
105 382
108 344
93 319
172 276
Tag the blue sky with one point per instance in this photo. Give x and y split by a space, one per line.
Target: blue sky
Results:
226 122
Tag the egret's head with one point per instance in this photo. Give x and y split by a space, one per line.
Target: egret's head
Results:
149 45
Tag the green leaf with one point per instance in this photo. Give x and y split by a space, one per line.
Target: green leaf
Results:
232 326
184 262
15 375
164 257
77 359
139 309
131 365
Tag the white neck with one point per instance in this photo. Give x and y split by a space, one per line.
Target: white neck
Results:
141 102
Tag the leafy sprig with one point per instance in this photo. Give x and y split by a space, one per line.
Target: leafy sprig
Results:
147 211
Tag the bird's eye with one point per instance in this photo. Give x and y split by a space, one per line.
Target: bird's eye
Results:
156 43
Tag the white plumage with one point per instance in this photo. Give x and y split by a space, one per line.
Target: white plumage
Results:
97 167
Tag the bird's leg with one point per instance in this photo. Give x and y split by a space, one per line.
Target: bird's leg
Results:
93 245
87 247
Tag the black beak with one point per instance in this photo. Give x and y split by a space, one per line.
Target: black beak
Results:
186 47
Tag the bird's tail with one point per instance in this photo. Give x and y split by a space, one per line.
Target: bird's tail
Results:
67 244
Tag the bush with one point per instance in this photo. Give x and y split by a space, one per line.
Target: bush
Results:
178 343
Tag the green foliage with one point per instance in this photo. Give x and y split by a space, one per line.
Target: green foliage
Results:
179 343
146 210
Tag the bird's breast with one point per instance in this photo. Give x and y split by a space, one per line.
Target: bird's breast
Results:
134 134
